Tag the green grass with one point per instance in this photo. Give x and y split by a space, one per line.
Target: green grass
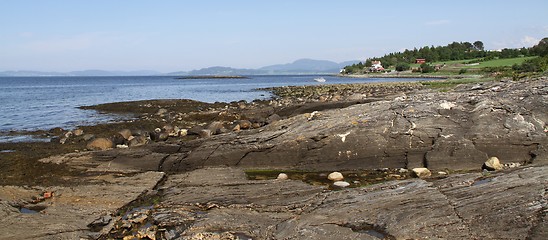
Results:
445 85
506 62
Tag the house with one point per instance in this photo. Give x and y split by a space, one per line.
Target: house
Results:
376 66
420 61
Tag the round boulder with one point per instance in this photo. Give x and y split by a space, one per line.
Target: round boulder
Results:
78 132
138 141
282 176
335 176
100 144
126 133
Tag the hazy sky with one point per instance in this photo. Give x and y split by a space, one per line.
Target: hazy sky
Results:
63 35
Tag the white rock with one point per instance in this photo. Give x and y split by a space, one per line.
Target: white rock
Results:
282 176
335 176
442 173
341 184
183 132
422 172
492 164
447 105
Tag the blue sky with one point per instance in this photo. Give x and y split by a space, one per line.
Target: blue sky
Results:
168 36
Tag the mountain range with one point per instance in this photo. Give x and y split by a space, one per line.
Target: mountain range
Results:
301 66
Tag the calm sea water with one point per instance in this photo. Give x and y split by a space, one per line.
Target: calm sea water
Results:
40 103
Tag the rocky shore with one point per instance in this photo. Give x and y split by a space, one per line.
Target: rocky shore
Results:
406 162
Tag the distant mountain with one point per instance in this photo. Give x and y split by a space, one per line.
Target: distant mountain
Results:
225 71
306 66
301 66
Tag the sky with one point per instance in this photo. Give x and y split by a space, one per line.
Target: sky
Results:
180 35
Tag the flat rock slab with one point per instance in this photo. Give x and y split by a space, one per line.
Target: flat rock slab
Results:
217 202
452 130
68 213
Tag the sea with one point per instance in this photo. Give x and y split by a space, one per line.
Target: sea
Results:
42 103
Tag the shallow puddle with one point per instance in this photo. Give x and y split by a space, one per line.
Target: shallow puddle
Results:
481 181
355 178
31 209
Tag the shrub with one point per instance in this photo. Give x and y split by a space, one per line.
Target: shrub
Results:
402 67
462 71
427 68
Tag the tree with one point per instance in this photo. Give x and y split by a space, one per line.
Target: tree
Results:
541 49
478 45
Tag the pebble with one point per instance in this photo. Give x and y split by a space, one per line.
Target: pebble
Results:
492 164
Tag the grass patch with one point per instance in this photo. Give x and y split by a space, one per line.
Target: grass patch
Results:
445 85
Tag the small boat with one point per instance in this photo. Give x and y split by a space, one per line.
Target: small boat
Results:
320 79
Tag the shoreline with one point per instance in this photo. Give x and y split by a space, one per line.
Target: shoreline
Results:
403 75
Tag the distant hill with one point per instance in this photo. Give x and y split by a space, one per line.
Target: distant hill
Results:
307 66
301 66
225 71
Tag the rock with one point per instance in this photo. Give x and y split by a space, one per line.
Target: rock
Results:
492 164
282 176
100 144
125 133
168 128
183 132
236 128
138 141
159 136
78 132
88 137
512 165
215 127
273 118
244 124
341 184
204 133
195 130
335 176
421 172
161 112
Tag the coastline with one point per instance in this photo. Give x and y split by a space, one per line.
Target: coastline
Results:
404 75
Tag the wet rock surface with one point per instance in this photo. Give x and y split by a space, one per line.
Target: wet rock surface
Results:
205 193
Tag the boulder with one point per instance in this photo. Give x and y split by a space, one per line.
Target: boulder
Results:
100 144
138 141
244 124
204 133
335 176
78 132
126 133
282 176
492 164
215 127
422 172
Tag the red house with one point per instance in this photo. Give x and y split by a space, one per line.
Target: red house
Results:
420 60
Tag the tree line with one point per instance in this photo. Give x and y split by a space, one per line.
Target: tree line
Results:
450 52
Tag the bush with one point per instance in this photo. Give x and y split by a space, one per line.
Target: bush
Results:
400 67
462 71
427 68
